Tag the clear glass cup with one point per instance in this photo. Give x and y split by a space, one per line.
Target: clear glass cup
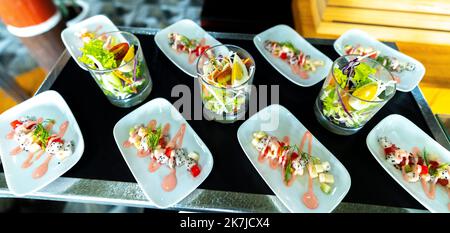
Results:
130 83
225 99
343 107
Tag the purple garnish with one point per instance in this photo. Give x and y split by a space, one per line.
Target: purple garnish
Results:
349 69
342 103
134 66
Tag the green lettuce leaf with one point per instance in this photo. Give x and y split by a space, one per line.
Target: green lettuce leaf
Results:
95 49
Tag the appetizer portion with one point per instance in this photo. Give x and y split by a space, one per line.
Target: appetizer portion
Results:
391 63
116 63
418 166
354 91
153 140
299 62
294 161
34 137
225 86
182 44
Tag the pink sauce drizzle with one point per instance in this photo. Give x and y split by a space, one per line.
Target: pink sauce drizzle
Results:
16 151
169 181
273 163
166 129
177 140
430 190
10 135
127 144
63 129
309 198
298 71
143 153
152 124
27 163
42 169
191 58
153 166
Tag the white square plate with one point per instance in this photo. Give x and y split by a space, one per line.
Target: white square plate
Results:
278 121
48 105
406 135
187 28
73 43
408 79
163 112
281 33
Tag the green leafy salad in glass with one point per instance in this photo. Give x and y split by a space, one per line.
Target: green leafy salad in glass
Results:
354 91
117 65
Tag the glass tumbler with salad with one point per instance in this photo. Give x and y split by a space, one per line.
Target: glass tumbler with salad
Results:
225 74
116 62
353 92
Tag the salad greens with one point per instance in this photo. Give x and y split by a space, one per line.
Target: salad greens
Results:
123 76
95 49
347 99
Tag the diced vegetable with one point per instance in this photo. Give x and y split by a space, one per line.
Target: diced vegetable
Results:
313 172
319 168
326 166
325 188
326 178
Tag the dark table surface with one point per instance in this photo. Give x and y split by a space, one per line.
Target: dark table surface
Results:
232 171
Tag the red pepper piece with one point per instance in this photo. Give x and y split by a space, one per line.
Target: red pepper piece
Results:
168 151
15 123
195 170
424 170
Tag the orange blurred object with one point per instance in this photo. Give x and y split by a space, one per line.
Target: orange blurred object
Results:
24 13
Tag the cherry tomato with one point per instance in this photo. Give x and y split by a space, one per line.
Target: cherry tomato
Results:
195 170
283 56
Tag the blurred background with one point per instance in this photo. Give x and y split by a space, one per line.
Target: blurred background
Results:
30 41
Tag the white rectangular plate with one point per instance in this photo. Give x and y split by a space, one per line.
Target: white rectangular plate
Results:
278 121
73 43
163 112
408 79
48 105
282 33
187 28
406 135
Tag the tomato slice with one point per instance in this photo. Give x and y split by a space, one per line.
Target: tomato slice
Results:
443 182
120 50
390 150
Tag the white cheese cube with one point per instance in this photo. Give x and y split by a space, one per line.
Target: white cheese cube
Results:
326 178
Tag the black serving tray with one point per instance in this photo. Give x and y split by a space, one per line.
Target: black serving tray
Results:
232 171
